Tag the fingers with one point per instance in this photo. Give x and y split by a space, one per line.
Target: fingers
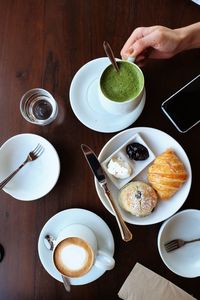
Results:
157 42
127 48
138 34
142 45
142 58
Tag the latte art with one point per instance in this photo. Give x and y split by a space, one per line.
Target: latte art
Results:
73 257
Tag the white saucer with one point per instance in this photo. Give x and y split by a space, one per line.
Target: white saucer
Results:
184 261
74 216
36 178
158 141
85 102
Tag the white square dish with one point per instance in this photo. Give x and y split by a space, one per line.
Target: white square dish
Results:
136 165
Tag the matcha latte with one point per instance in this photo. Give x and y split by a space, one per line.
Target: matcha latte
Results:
124 85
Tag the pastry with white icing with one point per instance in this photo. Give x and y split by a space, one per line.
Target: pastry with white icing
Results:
138 198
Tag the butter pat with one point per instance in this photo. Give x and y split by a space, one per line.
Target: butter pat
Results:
119 168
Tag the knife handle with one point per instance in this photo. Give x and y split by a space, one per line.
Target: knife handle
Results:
125 232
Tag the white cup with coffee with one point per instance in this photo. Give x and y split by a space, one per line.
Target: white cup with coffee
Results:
121 92
76 252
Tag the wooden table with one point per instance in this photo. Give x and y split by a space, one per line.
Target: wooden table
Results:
43 44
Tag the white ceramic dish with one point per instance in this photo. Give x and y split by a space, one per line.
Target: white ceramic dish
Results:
184 261
136 166
158 141
61 220
36 178
85 103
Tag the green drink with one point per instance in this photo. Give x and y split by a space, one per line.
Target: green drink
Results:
124 85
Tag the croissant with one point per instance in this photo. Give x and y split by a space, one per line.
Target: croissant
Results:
167 174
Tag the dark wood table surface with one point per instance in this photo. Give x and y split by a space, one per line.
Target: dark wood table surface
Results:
43 44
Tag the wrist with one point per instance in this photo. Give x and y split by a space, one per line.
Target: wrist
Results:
188 37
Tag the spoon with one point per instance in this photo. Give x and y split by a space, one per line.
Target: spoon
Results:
49 241
110 55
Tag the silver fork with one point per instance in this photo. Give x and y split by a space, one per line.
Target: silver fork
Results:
177 243
34 154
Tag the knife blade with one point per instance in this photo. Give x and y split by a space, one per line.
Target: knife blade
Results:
101 178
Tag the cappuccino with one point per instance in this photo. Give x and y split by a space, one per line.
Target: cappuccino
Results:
73 257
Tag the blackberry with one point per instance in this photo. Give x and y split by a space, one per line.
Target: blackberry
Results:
137 151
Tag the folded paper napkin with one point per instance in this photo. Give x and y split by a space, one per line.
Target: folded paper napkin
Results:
144 284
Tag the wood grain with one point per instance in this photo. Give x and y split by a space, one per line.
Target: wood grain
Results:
43 44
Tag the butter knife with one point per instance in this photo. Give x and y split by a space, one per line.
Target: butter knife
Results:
100 176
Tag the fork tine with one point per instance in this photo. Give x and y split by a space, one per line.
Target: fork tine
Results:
39 149
36 148
171 248
172 245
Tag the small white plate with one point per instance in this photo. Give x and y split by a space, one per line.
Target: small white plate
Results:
75 216
158 141
184 261
36 178
85 101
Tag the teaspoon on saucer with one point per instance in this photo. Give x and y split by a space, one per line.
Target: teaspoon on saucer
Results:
49 241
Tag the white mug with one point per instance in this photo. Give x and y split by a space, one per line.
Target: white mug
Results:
76 252
128 105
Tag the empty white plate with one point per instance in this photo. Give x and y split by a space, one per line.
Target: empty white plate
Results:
36 178
184 261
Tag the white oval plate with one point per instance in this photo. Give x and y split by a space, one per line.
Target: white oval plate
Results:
184 261
85 101
36 178
158 141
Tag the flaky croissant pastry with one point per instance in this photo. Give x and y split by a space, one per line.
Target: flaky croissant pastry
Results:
167 174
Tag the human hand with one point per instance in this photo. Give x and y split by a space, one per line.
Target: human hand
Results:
152 42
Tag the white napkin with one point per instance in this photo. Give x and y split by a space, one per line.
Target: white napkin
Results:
144 284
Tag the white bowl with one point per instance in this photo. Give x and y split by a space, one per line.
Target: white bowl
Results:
184 261
36 178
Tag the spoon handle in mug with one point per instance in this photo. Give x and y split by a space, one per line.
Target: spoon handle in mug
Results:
110 55
49 241
125 232
66 283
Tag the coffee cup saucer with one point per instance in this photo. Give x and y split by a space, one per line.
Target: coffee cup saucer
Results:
85 103
58 223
